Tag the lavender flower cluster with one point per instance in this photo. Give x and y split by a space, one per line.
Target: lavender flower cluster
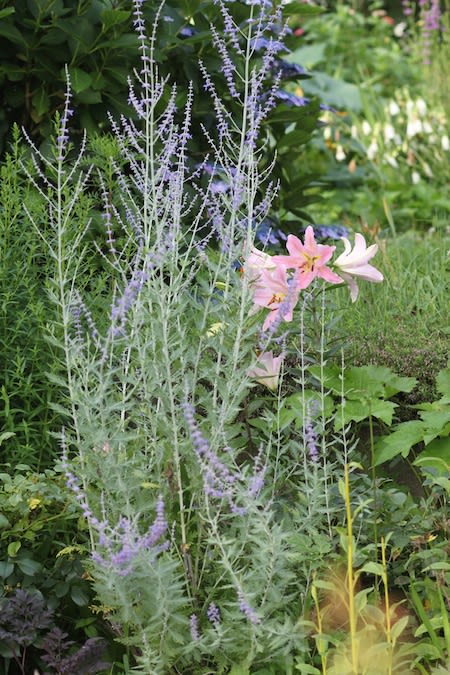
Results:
121 544
218 481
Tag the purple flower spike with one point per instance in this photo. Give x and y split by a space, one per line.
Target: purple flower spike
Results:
193 624
62 138
213 614
246 609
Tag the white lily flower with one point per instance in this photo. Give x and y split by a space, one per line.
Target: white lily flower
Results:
257 261
354 263
267 370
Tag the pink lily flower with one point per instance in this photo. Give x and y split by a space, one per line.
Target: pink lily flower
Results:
267 370
272 290
308 259
353 263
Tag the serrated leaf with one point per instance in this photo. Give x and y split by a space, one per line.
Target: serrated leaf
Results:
443 382
399 442
435 421
356 411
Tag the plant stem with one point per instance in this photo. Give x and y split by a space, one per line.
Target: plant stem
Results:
374 484
350 576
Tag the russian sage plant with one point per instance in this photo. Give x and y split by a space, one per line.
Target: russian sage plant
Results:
191 557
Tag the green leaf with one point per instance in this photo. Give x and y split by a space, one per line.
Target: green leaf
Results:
41 101
394 384
6 569
80 80
305 669
297 9
398 628
113 17
4 522
5 435
28 566
89 96
293 408
6 12
333 91
79 596
443 382
399 442
127 41
13 548
240 669
309 56
373 568
294 139
435 457
11 33
436 422
356 411
286 115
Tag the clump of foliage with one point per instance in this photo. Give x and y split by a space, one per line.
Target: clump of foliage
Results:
28 634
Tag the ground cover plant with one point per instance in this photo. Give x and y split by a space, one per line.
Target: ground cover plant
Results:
389 142
225 474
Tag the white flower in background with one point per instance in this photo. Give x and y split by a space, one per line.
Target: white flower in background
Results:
428 129
327 133
391 161
413 127
421 107
372 150
257 261
445 144
409 106
427 170
389 132
399 29
393 108
340 154
354 131
366 128
267 370
415 177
